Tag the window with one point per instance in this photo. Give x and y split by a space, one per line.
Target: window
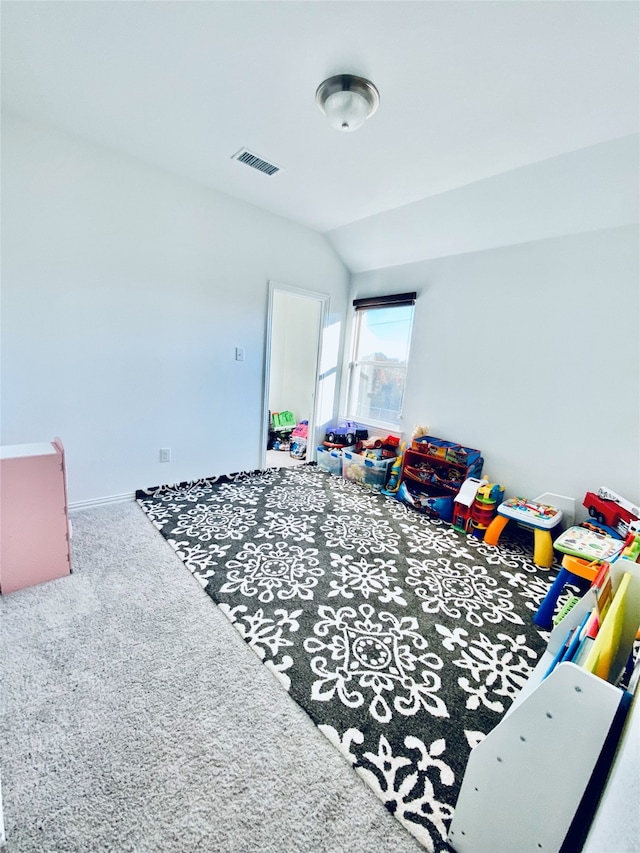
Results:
378 369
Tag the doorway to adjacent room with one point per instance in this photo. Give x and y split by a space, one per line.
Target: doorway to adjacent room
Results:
295 322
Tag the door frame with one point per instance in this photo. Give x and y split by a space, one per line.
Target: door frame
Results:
323 300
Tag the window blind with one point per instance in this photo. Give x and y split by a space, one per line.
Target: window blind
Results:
392 301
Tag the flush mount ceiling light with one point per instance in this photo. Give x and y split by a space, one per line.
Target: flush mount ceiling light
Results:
347 101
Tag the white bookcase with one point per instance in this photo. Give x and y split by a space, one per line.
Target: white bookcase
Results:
524 782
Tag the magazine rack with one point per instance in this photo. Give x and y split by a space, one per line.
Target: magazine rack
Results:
524 782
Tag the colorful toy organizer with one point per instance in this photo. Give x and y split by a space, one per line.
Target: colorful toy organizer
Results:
450 451
433 472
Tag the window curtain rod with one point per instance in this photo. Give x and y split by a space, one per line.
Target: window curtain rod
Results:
395 300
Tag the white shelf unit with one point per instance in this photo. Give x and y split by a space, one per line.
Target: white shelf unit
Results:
525 781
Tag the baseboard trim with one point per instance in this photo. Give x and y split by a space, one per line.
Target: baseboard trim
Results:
110 499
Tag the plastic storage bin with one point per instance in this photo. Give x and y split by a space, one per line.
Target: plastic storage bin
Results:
435 501
370 473
329 461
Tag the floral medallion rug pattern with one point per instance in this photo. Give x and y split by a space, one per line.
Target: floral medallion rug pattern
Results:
404 640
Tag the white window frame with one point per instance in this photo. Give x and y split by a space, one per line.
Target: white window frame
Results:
402 300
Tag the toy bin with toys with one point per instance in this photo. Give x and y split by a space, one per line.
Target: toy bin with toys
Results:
450 451
329 460
434 501
370 473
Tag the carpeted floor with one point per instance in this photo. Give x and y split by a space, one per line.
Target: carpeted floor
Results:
282 459
134 719
403 640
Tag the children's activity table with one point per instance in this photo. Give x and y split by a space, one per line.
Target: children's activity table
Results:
541 518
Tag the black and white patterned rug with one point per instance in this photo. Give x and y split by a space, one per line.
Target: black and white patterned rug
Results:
404 640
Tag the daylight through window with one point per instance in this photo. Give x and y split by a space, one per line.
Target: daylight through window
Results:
378 369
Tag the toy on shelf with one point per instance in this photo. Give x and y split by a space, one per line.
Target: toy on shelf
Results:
541 518
611 509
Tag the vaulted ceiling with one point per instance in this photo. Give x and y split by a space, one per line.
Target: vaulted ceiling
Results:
468 90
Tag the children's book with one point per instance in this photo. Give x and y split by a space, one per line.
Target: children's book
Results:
605 647
560 653
634 678
603 590
581 542
584 650
574 643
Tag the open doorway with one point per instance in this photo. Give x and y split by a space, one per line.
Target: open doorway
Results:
295 322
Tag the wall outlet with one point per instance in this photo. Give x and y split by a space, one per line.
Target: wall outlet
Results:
239 353
165 454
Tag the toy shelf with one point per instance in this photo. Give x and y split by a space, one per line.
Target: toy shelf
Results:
424 470
433 471
525 781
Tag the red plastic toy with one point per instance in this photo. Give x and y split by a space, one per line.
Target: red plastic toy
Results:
609 508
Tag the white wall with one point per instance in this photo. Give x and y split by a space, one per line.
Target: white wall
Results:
530 353
125 291
584 190
294 351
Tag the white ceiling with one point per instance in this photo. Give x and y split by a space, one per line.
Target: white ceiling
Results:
468 89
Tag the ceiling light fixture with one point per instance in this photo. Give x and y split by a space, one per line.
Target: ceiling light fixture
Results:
347 101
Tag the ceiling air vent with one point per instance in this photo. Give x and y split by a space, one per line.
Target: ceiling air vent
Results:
255 162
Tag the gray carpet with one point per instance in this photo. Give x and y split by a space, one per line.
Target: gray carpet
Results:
133 717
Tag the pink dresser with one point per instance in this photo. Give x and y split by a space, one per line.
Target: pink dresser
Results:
34 528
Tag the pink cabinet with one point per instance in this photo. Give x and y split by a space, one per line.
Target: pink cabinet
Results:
34 527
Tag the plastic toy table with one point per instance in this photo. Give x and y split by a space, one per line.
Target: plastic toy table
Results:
541 518
575 571
584 552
